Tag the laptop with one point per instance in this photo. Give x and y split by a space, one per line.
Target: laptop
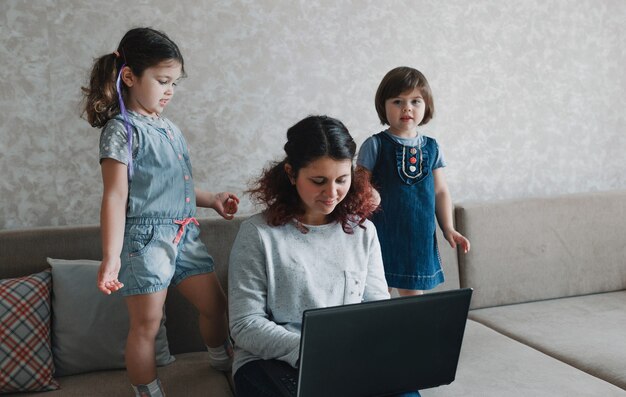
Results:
377 348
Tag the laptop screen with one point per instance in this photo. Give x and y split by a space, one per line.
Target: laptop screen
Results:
382 347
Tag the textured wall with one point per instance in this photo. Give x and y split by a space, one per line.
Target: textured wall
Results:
529 94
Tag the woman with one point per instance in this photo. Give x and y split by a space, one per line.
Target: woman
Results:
312 247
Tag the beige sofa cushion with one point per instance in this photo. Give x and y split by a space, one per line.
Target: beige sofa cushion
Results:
189 375
587 332
532 249
493 365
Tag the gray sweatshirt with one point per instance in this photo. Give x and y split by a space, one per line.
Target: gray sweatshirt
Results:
275 273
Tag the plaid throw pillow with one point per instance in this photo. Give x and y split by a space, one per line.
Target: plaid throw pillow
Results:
25 352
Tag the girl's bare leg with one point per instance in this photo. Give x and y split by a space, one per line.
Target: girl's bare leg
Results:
145 313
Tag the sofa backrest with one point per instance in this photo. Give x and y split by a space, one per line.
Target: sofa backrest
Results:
541 248
23 252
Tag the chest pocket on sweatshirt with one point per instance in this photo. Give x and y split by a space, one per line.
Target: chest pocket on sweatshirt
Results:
354 287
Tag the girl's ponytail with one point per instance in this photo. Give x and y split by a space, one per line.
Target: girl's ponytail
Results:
101 99
139 49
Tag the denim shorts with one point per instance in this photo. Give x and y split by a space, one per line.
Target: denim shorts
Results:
152 260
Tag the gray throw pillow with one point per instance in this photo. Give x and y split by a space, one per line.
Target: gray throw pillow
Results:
89 328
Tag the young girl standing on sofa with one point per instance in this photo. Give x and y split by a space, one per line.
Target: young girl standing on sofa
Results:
150 238
407 169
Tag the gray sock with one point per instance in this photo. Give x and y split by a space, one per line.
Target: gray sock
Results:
221 357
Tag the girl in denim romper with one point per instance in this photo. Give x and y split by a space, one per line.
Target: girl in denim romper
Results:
407 170
150 236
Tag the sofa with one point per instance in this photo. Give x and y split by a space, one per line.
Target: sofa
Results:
548 313
24 252
547 318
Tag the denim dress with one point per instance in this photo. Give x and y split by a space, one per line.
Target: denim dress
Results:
161 238
405 223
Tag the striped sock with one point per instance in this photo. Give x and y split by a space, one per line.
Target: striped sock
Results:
152 389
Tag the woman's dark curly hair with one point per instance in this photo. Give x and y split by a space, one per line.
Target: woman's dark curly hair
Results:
308 140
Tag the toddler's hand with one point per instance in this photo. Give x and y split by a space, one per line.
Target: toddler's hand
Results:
107 276
231 206
375 197
226 204
455 238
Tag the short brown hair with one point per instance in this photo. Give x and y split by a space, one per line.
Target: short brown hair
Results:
397 81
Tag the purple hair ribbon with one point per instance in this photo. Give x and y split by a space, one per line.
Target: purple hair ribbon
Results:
129 132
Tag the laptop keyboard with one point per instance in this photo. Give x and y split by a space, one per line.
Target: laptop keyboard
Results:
291 383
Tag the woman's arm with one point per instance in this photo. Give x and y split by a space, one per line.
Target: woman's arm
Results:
376 285
443 211
250 324
112 222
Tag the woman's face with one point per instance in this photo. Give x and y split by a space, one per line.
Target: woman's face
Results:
321 185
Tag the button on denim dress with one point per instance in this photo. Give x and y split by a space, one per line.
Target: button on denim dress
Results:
405 223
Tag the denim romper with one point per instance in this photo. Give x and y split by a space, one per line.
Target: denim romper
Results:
161 238
406 221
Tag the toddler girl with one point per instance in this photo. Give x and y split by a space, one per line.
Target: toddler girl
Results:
150 238
407 169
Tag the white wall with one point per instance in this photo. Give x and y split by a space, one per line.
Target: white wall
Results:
529 94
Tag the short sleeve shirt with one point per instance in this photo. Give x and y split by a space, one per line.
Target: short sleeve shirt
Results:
114 142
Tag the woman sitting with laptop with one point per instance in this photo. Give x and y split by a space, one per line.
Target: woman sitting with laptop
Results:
311 247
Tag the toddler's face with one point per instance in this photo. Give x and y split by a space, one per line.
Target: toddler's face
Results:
405 112
150 93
